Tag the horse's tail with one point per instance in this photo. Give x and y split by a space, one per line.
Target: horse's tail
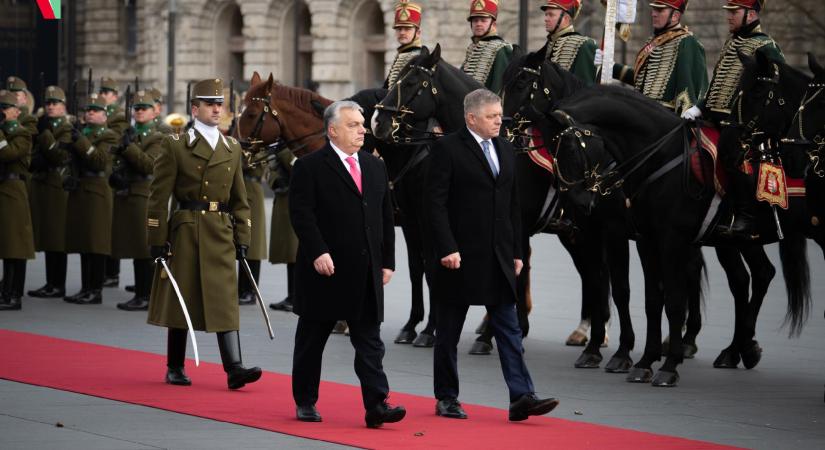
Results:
793 251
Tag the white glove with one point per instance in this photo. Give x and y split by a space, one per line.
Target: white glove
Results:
597 60
692 113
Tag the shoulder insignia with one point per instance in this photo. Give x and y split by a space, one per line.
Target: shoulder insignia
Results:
175 136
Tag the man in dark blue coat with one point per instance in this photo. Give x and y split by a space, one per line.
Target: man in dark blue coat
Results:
339 204
476 230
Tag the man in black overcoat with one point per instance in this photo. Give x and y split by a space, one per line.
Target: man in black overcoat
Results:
339 204
476 231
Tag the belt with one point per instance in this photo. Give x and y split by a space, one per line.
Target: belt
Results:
12 176
204 206
92 174
252 178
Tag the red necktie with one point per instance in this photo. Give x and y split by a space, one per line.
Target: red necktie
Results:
354 172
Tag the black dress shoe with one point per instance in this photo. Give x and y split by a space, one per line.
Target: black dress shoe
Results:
283 305
135 304
307 413
247 298
111 281
93 297
47 291
384 413
73 298
11 304
241 376
450 407
130 288
530 405
177 377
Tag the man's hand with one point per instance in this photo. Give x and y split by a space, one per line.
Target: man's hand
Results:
598 58
159 251
519 265
386 275
240 251
451 261
323 265
692 113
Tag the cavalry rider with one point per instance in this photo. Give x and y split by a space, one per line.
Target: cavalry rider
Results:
565 47
407 26
670 68
747 38
488 56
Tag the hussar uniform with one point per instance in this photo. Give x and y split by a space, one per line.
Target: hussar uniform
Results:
407 14
48 198
487 57
89 226
16 239
131 176
670 68
201 169
569 49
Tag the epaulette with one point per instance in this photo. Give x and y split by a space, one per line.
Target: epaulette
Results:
174 136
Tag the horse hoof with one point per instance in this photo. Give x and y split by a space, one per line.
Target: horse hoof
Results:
619 364
576 339
481 348
639 375
405 337
664 378
689 350
424 340
752 355
588 361
340 327
727 359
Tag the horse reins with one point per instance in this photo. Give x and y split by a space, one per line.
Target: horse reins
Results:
818 141
401 109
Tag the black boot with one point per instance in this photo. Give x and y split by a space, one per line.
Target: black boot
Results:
238 376
112 271
10 298
175 355
743 205
47 291
135 304
85 273
91 297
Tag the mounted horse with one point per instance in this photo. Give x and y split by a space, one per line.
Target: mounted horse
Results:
612 138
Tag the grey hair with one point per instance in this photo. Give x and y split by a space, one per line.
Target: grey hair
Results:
478 98
333 112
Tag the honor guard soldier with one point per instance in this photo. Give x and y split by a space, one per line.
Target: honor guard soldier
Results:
89 226
16 240
565 47
116 121
160 125
26 120
134 160
283 243
407 26
48 198
670 68
488 56
746 38
202 238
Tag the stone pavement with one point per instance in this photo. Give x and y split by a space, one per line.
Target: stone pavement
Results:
779 404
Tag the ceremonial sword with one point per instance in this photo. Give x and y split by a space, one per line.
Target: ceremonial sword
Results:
183 307
248 272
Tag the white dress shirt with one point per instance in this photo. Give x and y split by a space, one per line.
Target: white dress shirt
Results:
344 157
492 147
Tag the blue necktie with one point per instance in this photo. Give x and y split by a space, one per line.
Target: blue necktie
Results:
485 147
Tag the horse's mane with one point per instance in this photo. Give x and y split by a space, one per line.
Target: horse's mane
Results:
451 72
610 105
301 98
551 72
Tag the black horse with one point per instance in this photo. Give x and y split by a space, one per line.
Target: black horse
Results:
613 138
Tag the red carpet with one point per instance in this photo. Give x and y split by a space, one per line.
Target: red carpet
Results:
136 377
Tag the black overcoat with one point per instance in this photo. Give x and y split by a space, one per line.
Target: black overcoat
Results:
476 214
329 215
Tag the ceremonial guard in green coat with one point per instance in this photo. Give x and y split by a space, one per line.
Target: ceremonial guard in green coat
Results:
488 55
16 238
201 169
283 243
160 125
565 47
134 160
253 178
670 68
26 120
89 226
407 26
48 198
115 121
746 38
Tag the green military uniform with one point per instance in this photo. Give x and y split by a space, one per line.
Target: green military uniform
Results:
670 69
116 117
488 56
26 119
567 48
257 245
283 243
160 125
48 198
16 239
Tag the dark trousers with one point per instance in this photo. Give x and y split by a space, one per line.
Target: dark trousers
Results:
92 271
112 267
311 337
144 270
244 286
56 263
14 277
504 323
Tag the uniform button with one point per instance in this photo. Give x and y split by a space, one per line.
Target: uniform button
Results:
199 167
206 183
204 197
203 212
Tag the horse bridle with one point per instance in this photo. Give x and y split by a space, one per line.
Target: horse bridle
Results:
520 121
400 110
818 141
748 129
269 108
